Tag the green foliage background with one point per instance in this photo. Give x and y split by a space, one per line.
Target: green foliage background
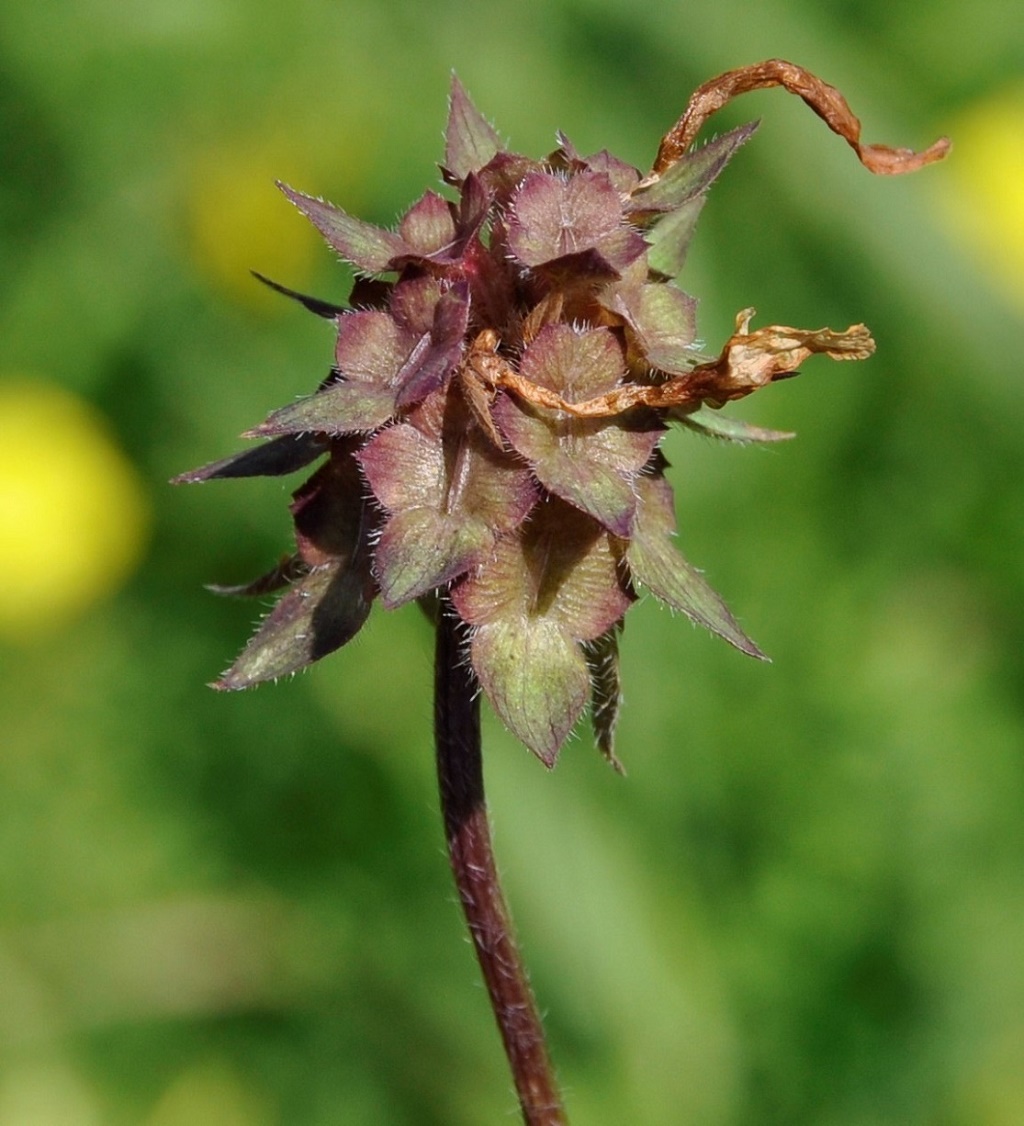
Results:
804 904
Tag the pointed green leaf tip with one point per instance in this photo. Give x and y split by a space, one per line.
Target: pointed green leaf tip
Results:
655 563
318 614
726 429
469 139
692 174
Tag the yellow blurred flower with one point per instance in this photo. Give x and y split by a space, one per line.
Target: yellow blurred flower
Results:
73 514
239 221
983 194
46 1092
211 1095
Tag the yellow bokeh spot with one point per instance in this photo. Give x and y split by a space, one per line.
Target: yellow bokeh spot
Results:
992 1093
46 1093
239 221
211 1095
982 194
73 514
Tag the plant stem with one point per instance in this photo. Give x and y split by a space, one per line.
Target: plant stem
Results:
460 777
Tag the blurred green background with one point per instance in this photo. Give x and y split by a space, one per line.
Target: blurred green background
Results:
805 904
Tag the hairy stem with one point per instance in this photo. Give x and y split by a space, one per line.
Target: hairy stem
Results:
460 777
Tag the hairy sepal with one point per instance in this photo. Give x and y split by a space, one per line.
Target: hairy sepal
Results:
691 175
602 656
545 590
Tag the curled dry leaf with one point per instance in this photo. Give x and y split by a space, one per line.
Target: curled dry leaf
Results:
749 360
826 101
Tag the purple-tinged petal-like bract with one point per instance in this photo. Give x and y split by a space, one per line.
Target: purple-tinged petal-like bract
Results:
470 141
554 217
367 247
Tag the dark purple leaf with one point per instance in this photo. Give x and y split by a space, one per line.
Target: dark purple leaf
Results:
330 510
287 571
319 613
322 308
270 459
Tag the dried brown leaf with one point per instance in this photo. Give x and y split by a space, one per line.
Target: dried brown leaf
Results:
749 360
826 101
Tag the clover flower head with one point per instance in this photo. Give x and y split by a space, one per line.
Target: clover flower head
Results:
509 361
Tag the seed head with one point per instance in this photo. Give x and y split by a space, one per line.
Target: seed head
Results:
509 361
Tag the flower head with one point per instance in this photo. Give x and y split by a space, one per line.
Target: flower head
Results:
509 362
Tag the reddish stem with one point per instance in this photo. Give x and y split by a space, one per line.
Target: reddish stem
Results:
460 777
